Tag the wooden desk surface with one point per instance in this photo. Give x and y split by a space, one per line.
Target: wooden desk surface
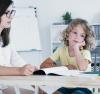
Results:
68 81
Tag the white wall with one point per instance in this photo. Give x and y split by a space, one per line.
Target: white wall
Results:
50 11
32 57
24 33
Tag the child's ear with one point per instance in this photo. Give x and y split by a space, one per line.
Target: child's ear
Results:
81 48
67 35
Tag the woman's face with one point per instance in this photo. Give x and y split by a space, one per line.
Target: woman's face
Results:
6 18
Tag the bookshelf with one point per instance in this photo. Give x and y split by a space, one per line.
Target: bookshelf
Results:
55 35
96 52
96 29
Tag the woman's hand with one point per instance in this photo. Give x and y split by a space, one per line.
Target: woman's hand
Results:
27 69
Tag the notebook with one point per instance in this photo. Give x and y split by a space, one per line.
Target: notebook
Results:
59 71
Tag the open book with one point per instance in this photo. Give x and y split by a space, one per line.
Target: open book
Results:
62 70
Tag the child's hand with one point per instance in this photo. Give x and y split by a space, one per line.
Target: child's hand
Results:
82 43
71 67
79 45
27 69
47 65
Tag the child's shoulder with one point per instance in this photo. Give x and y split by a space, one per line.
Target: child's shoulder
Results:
85 51
62 48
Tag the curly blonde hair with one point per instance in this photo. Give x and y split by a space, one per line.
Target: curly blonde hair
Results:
90 38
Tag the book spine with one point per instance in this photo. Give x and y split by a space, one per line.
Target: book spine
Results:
97 67
92 67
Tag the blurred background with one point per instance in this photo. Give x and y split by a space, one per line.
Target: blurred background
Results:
38 23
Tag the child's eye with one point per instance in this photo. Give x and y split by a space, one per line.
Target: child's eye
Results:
75 32
83 36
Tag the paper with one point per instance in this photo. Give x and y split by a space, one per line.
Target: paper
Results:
62 70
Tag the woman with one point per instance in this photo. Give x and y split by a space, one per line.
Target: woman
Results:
10 62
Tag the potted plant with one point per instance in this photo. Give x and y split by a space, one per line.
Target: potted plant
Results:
67 17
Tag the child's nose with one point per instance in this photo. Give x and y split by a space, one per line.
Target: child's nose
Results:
78 36
78 39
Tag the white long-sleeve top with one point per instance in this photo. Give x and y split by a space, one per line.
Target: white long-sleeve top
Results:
9 57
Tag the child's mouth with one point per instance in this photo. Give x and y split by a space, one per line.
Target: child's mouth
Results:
9 22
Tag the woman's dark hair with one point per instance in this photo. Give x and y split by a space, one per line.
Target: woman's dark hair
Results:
4 4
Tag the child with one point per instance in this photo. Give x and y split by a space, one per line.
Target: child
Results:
78 40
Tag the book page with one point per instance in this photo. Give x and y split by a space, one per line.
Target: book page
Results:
62 70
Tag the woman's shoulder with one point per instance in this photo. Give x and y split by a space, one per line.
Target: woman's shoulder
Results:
9 47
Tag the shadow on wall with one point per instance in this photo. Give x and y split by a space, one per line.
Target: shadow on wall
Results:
96 18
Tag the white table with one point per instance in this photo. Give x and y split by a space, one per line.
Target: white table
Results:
67 81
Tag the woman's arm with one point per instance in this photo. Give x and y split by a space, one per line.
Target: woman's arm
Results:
25 70
9 70
48 63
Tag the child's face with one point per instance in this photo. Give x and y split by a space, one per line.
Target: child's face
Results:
77 35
